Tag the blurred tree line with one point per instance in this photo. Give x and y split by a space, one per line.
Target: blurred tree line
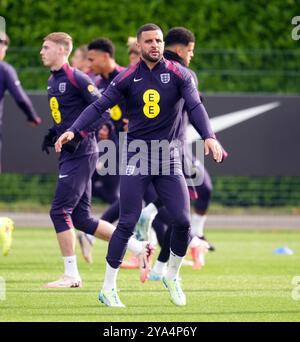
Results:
242 46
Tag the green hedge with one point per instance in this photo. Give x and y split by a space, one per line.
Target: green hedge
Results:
19 187
257 191
228 191
241 45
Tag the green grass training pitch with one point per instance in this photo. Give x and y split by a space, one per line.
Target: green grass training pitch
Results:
242 281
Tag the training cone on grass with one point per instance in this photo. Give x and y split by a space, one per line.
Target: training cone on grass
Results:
283 250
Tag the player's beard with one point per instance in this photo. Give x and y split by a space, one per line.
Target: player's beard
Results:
149 58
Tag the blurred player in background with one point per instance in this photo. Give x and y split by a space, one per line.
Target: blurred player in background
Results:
80 61
133 51
102 63
101 57
9 81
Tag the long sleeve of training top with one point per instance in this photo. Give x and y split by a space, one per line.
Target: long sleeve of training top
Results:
197 113
14 87
84 84
94 112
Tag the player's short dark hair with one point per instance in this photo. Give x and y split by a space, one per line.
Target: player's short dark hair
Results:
179 35
104 45
147 27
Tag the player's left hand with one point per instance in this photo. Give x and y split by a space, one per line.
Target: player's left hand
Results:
49 140
213 145
63 139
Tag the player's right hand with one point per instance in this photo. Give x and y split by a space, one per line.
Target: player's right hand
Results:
213 145
63 139
34 122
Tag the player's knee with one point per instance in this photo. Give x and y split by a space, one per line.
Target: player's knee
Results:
55 215
61 220
179 240
128 222
207 192
157 224
125 229
206 187
113 262
111 198
85 224
182 222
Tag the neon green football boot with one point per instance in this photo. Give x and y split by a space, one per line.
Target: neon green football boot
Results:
6 229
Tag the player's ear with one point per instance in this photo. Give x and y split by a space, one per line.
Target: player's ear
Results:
178 50
62 49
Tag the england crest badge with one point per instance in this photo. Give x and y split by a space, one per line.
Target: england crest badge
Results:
62 87
165 78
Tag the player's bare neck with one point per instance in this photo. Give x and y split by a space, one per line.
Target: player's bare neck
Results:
58 65
86 70
149 64
111 66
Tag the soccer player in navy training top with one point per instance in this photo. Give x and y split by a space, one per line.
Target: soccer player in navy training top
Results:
101 55
9 81
70 91
179 47
154 90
